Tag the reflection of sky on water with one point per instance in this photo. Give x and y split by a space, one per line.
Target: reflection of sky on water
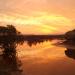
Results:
45 59
41 52
52 67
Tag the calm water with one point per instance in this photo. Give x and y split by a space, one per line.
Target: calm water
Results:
45 58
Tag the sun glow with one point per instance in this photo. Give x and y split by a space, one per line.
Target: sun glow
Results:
45 17
46 23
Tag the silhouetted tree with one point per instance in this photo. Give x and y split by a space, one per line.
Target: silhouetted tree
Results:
8 30
70 35
3 30
11 29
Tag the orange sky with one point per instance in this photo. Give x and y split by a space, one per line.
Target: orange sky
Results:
38 16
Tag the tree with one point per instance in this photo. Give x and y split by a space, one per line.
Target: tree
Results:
11 29
70 35
8 30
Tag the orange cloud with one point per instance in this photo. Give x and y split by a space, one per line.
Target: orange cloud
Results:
42 22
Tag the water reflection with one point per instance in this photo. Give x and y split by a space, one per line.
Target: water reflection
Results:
70 48
35 39
70 53
35 42
9 62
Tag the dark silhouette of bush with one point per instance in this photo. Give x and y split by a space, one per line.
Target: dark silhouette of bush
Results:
70 35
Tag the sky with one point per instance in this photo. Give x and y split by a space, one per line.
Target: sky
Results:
38 16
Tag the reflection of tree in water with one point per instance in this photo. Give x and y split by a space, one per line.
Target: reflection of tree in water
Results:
70 49
9 63
34 42
37 39
70 53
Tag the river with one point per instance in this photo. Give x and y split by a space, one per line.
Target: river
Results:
44 58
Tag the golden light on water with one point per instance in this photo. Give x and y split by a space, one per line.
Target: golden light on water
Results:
43 52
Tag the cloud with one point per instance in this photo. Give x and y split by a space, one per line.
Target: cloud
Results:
47 16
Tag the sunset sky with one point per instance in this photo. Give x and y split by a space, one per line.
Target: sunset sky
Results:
38 16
